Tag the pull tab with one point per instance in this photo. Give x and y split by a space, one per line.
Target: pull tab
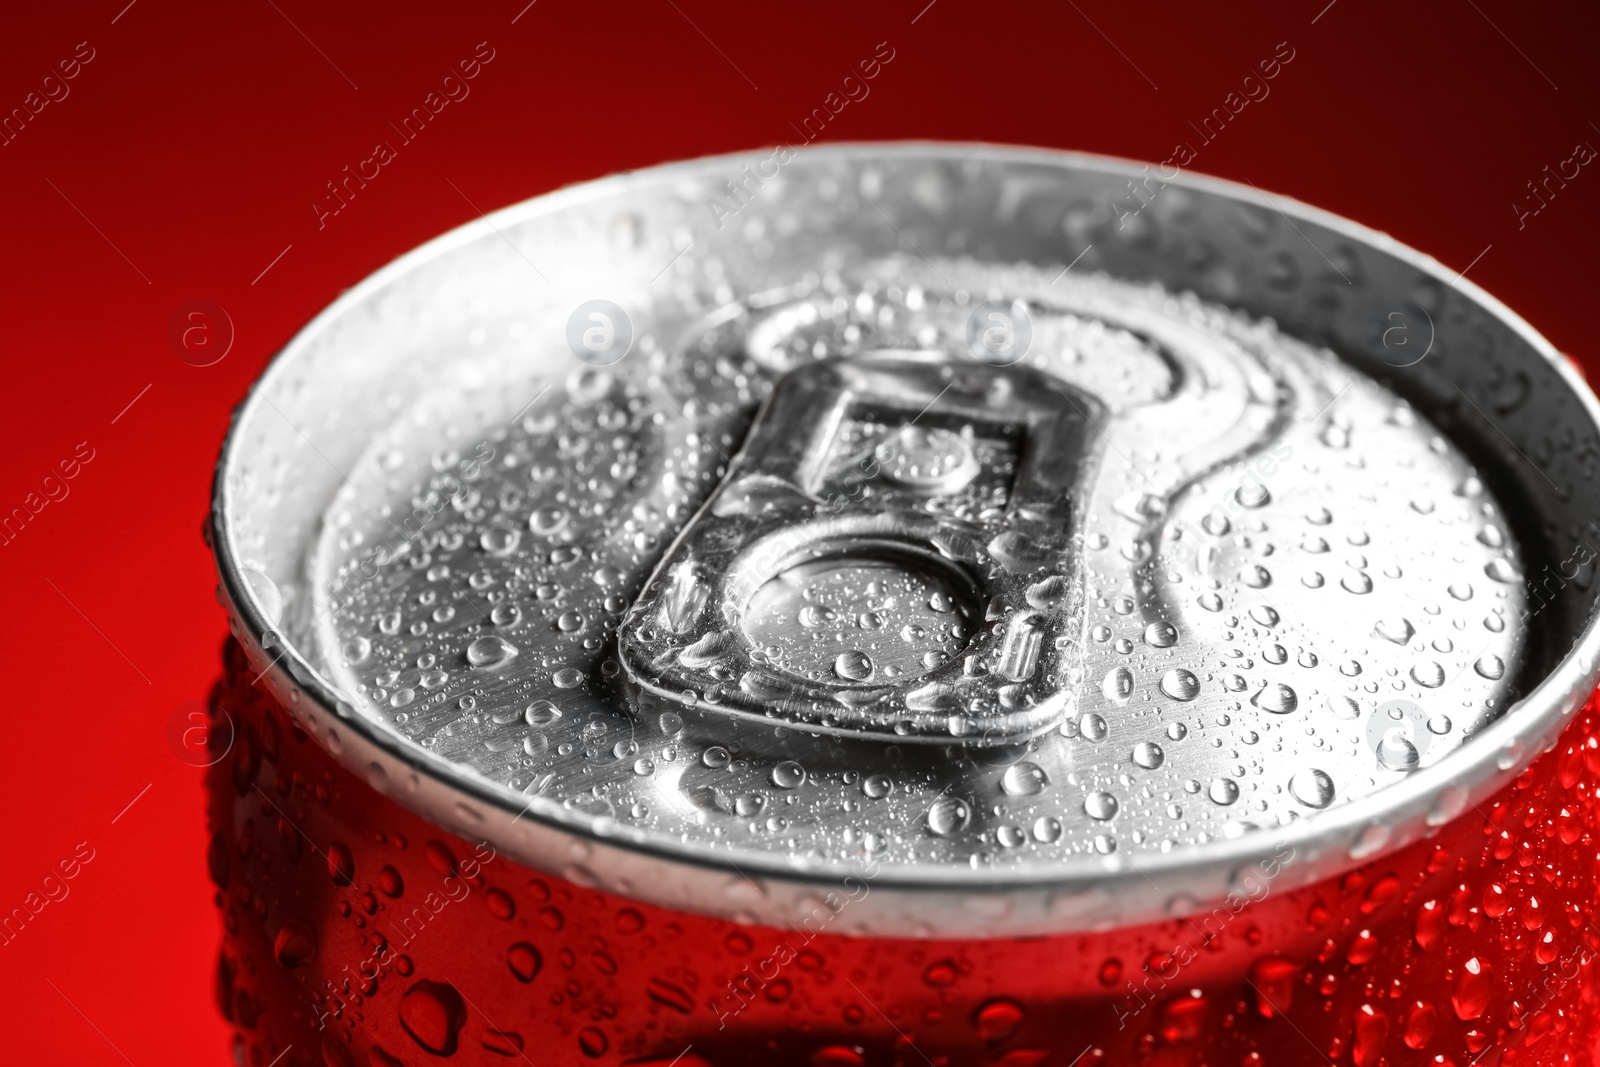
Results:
895 552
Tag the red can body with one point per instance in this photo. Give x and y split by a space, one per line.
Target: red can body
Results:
358 933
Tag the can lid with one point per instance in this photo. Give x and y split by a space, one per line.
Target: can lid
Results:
830 553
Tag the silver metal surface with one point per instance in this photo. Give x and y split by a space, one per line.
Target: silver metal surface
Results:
1048 636
963 485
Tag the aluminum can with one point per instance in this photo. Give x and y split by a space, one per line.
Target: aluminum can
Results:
909 604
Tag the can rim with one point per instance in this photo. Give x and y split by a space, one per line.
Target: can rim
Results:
1364 829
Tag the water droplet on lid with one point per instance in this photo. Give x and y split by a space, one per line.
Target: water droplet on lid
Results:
1024 780
1252 494
1100 805
1255 576
813 616
266 593
547 520
1343 707
1500 570
716 757
490 651
1180 684
853 666
927 460
788 775
1357 582
1312 787
499 540
1160 635
1396 752
1177 731
1117 686
1010 836
1429 674
1148 754
541 713
1092 727
877 786
1491 536
1439 724
1395 628
356 650
1490 666
1049 593
1223 790
948 816
1047 829
1264 615
1277 698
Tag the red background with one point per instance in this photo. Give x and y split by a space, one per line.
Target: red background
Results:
190 149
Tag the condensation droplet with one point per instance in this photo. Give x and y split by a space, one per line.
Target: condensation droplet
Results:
1100 805
1429 674
1397 629
490 651
1024 780
1160 635
1180 684
1312 787
1223 790
1117 685
1148 754
788 775
948 816
1490 666
1277 698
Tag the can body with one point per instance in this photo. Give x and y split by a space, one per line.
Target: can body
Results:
358 933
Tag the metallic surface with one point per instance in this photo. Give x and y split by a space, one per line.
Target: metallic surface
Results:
969 210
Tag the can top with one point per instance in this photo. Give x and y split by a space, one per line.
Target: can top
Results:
866 537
